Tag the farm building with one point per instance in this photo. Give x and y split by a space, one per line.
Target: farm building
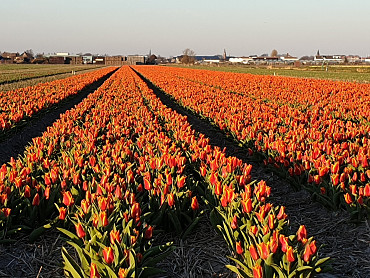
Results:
115 60
329 59
99 60
240 60
8 57
136 59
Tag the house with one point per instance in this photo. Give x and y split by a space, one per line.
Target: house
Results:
87 58
287 59
117 60
329 59
56 59
353 59
265 60
75 60
136 59
24 58
99 60
9 57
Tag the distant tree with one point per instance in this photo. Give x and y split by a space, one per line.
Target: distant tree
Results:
274 53
29 52
306 58
188 56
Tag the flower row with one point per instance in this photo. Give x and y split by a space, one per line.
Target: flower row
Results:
21 103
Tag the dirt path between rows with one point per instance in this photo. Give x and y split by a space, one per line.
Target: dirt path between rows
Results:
15 144
347 243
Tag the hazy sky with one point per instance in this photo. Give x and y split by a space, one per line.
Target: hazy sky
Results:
167 27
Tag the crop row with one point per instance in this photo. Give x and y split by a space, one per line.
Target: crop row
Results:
328 155
121 165
16 105
344 100
17 73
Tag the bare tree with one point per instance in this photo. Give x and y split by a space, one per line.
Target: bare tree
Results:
29 52
188 56
274 53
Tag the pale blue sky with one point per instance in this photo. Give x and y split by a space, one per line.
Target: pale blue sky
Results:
167 27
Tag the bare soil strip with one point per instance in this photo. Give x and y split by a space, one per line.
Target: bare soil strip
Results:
347 243
16 141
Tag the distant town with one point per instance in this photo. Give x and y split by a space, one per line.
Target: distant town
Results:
28 57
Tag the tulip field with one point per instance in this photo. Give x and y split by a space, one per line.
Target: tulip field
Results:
10 73
17 105
121 167
315 132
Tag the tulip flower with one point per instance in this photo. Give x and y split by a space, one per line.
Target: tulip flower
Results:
239 248
289 254
122 273
148 233
94 271
234 223
257 271
104 218
62 213
253 252
348 198
36 200
80 231
114 236
194 203
68 199
108 255
181 181
302 233
263 250
307 253
27 191
247 205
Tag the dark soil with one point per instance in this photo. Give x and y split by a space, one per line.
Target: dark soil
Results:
16 140
347 243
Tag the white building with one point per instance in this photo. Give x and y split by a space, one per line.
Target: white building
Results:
240 60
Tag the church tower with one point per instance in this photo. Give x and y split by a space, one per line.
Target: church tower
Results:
224 55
